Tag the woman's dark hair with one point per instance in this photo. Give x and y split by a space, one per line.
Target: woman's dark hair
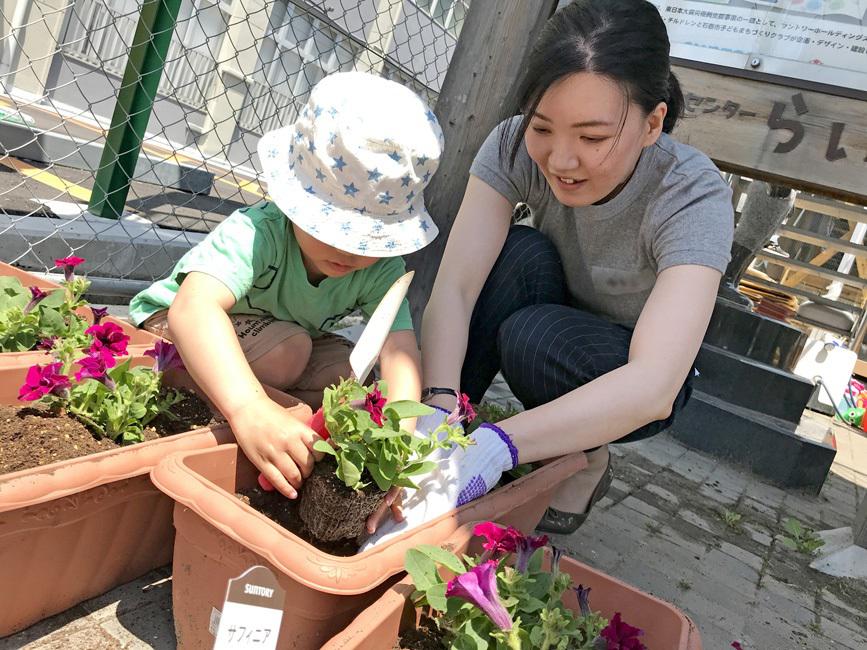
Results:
624 40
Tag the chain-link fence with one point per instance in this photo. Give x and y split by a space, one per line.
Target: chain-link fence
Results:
229 71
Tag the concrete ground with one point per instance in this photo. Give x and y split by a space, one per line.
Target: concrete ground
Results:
662 527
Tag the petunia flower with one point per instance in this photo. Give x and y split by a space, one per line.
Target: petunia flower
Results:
463 411
621 635
95 366
43 380
583 594
108 336
37 295
498 539
47 343
737 645
69 264
527 545
556 554
479 587
166 356
374 402
98 314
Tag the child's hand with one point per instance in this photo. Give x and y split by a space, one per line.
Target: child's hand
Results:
275 442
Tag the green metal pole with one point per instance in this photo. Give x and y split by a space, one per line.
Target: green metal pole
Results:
135 100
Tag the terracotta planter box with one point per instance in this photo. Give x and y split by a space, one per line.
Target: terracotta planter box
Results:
665 626
139 340
75 529
219 537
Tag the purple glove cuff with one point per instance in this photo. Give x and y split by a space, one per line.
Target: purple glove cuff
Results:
513 451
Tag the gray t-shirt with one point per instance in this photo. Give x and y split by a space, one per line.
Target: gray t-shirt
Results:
675 209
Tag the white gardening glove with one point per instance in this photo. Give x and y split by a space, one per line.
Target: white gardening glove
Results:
461 475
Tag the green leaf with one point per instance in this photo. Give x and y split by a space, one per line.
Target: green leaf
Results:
419 468
793 526
408 409
348 472
535 564
382 482
323 446
421 569
442 556
436 596
137 410
54 299
789 543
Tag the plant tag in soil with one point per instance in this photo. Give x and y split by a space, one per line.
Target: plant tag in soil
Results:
252 612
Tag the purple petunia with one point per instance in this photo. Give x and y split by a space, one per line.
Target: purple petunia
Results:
166 355
108 336
98 314
479 587
47 343
43 380
583 594
527 545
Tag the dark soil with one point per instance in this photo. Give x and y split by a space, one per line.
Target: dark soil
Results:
426 636
332 511
33 436
284 511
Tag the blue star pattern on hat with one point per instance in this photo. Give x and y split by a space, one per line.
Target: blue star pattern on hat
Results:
366 149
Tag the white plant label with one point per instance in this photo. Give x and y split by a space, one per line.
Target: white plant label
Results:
252 612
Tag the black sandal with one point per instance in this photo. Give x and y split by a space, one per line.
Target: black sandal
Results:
560 522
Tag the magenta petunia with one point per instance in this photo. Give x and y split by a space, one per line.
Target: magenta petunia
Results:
96 366
374 403
43 380
166 355
98 314
37 295
498 539
47 343
68 264
463 411
479 587
108 336
737 645
621 635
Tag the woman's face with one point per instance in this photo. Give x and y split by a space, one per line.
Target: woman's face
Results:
573 137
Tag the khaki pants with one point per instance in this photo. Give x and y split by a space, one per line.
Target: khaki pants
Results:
329 359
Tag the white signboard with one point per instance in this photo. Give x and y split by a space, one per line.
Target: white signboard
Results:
819 41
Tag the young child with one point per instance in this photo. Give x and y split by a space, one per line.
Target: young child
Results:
251 305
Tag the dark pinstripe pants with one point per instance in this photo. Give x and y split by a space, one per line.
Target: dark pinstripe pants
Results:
523 325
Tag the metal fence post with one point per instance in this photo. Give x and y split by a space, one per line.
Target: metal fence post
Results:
135 99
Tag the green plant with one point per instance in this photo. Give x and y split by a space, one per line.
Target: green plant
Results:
489 603
30 317
684 585
731 518
800 538
366 438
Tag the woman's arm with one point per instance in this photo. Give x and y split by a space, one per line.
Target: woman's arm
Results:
400 363
475 241
667 337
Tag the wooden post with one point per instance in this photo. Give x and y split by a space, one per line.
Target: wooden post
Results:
859 527
478 92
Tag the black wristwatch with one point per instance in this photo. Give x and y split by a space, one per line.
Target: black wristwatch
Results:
430 391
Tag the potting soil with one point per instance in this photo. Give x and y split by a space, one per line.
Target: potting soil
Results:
284 512
32 436
426 636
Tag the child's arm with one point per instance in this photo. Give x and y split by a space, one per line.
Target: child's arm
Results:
400 364
278 444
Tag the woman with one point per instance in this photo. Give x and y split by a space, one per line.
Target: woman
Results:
595 315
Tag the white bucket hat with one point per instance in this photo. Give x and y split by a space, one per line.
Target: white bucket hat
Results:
352 170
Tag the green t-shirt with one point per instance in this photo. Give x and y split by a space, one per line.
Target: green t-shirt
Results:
255 254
